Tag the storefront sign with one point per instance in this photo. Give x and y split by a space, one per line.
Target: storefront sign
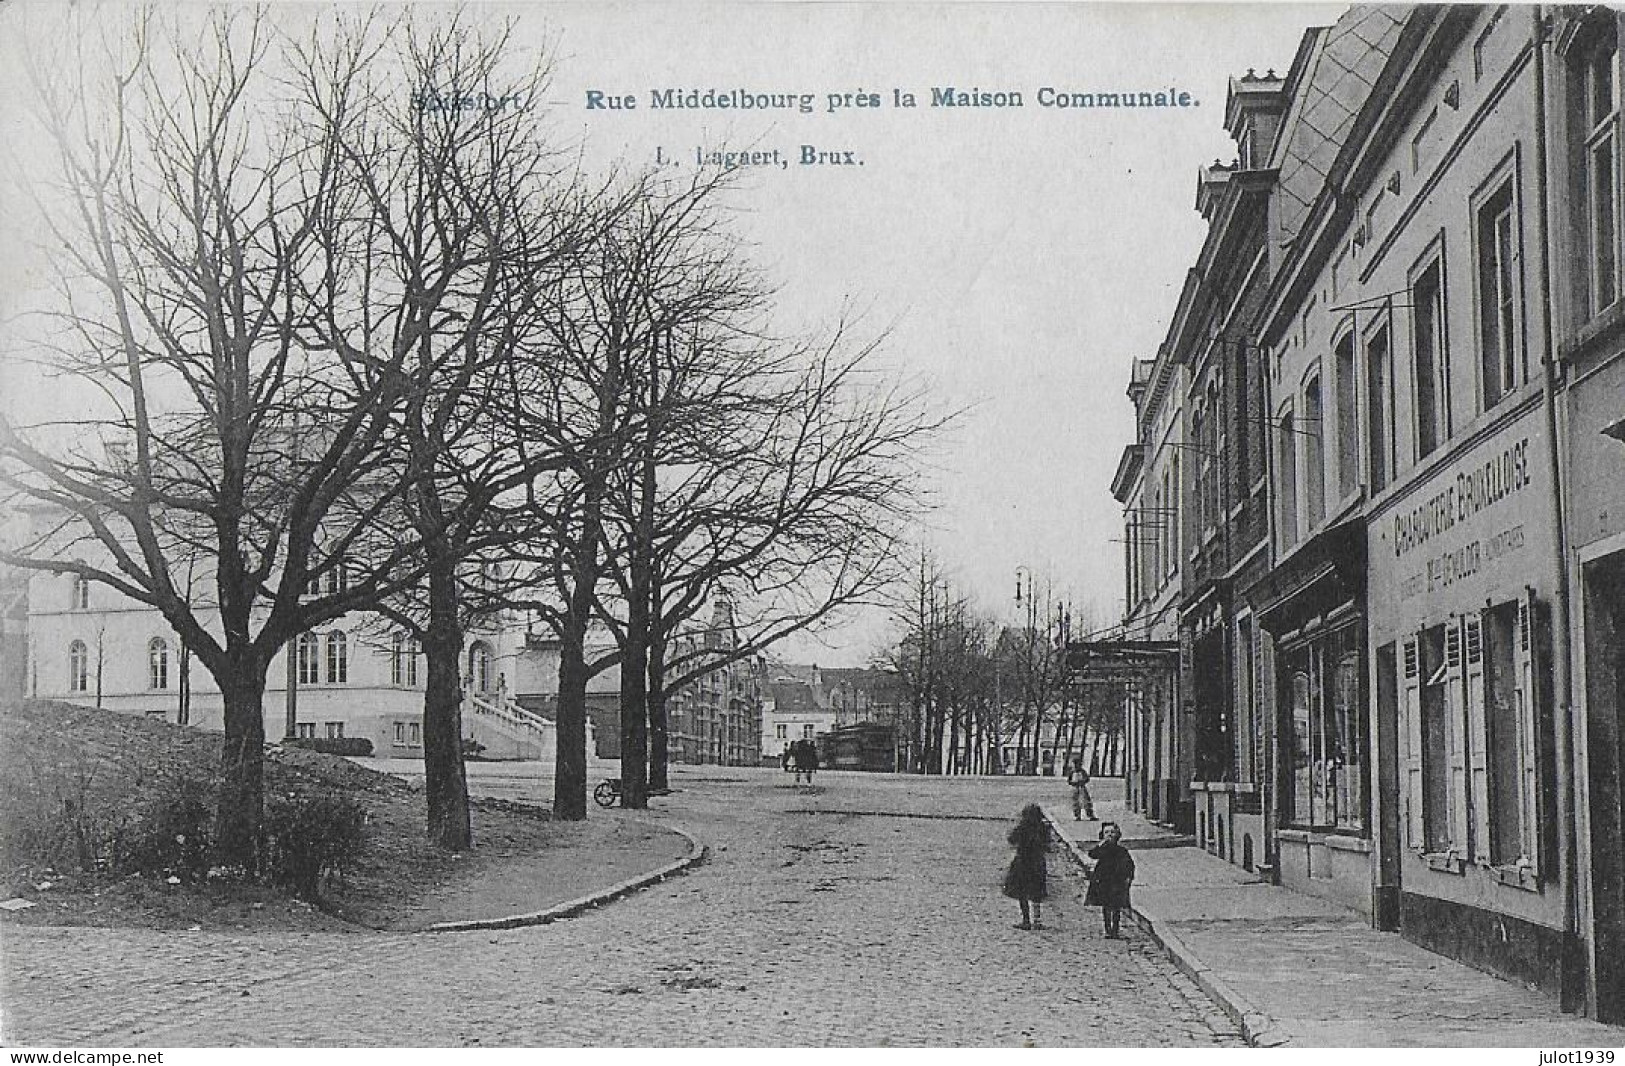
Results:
1468 520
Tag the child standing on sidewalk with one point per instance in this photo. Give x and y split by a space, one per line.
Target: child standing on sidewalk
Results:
1082 803
1110 878
1027 880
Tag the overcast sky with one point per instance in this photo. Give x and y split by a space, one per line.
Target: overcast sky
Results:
1021 257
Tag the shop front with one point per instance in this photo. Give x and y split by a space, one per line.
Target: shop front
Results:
1312 608
1462 580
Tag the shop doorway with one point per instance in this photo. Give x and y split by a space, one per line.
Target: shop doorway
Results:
1604 591
1385 910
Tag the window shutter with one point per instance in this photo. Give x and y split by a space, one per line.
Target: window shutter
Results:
1411 708
1528 655
1478 761
1455 733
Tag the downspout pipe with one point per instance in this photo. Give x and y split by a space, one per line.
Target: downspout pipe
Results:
1562 680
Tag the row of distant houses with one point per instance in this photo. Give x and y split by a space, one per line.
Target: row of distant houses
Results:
1375 505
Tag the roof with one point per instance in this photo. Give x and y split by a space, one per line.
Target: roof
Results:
1336 79
792 697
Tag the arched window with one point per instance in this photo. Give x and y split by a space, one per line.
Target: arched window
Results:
157 663
397 659
338 658
309 659
78 667
81 593
479 666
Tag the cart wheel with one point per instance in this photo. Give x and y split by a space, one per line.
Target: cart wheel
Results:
606 794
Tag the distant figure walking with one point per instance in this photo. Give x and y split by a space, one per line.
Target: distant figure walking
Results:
1027 880
1110 878
805 755
1082 803
784 759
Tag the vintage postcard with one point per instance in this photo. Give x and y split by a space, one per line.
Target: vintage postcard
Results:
886 525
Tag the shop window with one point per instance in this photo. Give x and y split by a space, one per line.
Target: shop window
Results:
309 655
1346 759
1300 770
157 663
1499 295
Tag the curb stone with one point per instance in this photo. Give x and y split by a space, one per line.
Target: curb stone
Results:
1257 1028
697 853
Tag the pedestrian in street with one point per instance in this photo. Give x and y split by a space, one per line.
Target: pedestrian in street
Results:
809 758
1082 803
784 759
1110 878
1027 879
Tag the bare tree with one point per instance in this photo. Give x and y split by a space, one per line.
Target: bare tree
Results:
194 190
440 258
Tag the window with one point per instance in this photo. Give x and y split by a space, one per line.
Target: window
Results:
1326 774
1437 666
479 666
782 732
1499 298
338 658
1431 362
307 730
1512 767
403 660
1379 410
1348 418
309 657
1314 463
1199 431
330 581
80 594
1597 82
78 667
335 730
1286 452
157 664
807 731
400 732
414 733
1419 142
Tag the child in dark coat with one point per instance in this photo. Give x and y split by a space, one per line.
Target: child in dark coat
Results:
1027 880
1110 878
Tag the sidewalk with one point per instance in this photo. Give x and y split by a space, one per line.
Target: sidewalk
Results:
1292 969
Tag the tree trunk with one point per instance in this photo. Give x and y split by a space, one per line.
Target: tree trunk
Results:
634 697
570 757
445 778
659 725
239 823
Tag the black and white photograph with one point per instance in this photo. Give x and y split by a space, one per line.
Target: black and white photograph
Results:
741 524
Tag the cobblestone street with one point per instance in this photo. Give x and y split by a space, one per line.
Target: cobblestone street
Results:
860 911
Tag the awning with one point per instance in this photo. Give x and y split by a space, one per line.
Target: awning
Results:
1121 660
